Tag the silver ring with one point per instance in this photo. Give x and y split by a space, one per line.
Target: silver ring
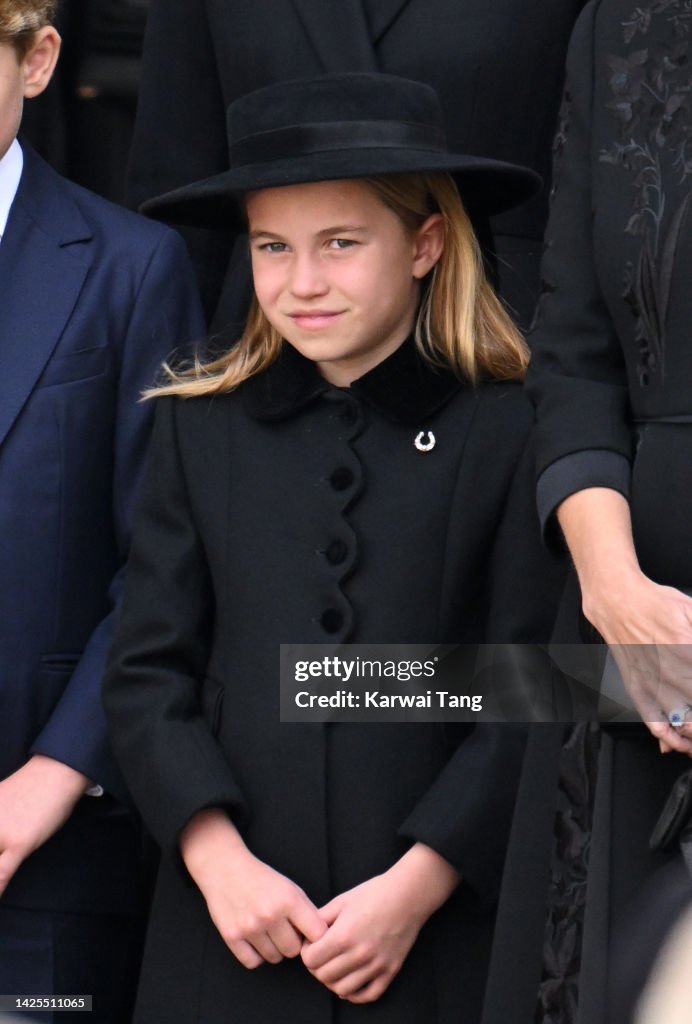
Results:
678 716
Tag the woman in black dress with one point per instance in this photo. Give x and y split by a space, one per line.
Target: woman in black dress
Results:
610 378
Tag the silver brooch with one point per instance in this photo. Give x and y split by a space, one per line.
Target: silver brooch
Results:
425 441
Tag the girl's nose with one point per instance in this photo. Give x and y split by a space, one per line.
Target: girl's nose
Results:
308 276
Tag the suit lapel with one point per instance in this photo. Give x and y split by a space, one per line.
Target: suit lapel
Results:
339 34
41 276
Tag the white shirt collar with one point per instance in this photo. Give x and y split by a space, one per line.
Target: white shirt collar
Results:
10 173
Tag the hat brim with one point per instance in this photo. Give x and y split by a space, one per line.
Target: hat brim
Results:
485 185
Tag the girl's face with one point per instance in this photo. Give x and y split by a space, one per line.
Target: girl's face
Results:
337 273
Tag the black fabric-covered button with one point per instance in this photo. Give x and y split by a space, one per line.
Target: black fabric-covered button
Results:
332 620
336 552
341 478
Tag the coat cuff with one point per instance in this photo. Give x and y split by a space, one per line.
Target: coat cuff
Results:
576 472
466 815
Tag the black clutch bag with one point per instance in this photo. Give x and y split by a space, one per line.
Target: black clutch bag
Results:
675 822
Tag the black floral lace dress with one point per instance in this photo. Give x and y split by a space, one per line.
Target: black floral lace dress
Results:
611 375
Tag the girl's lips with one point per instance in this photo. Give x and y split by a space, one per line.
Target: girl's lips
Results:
314 320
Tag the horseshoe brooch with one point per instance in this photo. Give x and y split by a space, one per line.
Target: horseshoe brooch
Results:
425 441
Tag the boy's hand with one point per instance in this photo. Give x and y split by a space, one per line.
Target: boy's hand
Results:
373 926
35 801
261 915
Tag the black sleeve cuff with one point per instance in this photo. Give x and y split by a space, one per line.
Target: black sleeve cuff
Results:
466 814
575 472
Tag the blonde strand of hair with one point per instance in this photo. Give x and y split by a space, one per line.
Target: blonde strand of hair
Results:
255 350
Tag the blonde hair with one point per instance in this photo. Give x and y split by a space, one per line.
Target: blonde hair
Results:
20 20
461 323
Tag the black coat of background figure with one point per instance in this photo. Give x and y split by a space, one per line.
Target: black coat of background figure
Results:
82 125
497 66
291 511
612 366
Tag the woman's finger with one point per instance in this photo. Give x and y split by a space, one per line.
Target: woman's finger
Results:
670 737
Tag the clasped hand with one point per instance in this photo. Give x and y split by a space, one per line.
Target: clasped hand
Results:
355 945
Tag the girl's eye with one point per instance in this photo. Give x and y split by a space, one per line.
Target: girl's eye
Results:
341 243
273 247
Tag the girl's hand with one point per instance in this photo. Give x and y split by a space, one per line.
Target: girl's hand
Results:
373 926
260 914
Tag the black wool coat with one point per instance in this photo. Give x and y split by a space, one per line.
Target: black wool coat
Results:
497 66
292 511
611 360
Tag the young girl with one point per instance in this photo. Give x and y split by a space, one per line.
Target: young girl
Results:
353 469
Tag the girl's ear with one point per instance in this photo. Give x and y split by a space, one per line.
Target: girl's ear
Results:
429 242
39 63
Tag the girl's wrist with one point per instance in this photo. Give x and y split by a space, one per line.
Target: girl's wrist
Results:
207 834
426 879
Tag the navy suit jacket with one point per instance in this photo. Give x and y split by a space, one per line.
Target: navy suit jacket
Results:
92 299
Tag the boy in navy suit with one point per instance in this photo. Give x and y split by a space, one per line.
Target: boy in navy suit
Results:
92 298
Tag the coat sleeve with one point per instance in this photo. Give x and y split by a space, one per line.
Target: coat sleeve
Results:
165 312
525 580
180 131
577 377
467 814
154 690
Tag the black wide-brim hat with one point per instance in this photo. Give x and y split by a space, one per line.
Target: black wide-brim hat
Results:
349 125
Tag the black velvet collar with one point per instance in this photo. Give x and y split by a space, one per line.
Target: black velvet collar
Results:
404 387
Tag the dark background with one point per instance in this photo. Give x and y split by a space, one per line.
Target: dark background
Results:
83 123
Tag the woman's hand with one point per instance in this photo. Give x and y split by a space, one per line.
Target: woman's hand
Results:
648 627
373 926
649 632
260 914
